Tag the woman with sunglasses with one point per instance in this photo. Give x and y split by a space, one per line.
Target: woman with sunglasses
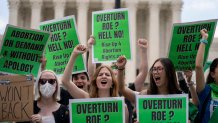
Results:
47 93
103 83
81 80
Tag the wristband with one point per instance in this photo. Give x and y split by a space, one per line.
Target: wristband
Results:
190 83
204 41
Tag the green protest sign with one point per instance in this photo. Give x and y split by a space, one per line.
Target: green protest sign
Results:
162 108
21 50
185 41
111 31
207 65
97 110
61 44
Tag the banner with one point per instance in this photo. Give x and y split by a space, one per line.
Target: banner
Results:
16 97
97 110
61 44
185 42
112 35
21 50
162 108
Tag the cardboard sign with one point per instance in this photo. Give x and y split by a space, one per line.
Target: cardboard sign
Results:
162 108
112 35
97 110
185 42
61 44
21 50
16 97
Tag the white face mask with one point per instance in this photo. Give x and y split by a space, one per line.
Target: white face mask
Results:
47 90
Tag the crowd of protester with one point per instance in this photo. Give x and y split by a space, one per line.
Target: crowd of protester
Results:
52 94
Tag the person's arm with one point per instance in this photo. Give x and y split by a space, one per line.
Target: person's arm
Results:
43 61
126 114
143 68
91 66
66 78
200 80
192 89
128 93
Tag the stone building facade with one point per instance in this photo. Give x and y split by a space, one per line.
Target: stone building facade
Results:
150 19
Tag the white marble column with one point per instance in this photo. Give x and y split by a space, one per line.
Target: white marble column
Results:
13 11
108 4
36 6
82 16
154 45
59 7
131 65
168 32
176 7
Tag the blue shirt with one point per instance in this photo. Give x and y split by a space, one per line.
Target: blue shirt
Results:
202 96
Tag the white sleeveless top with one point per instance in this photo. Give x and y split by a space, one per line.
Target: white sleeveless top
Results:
48 119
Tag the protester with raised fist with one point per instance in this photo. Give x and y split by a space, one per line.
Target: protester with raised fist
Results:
207 92
162 80
103 83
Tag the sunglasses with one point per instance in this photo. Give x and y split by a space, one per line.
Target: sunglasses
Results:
50 81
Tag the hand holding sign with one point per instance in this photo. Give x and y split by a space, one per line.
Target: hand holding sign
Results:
79 49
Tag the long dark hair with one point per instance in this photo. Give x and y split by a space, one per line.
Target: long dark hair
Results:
213 66
173 87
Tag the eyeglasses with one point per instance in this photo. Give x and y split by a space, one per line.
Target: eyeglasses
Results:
157 69
50 81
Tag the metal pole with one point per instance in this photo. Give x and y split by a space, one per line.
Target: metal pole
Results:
117 4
